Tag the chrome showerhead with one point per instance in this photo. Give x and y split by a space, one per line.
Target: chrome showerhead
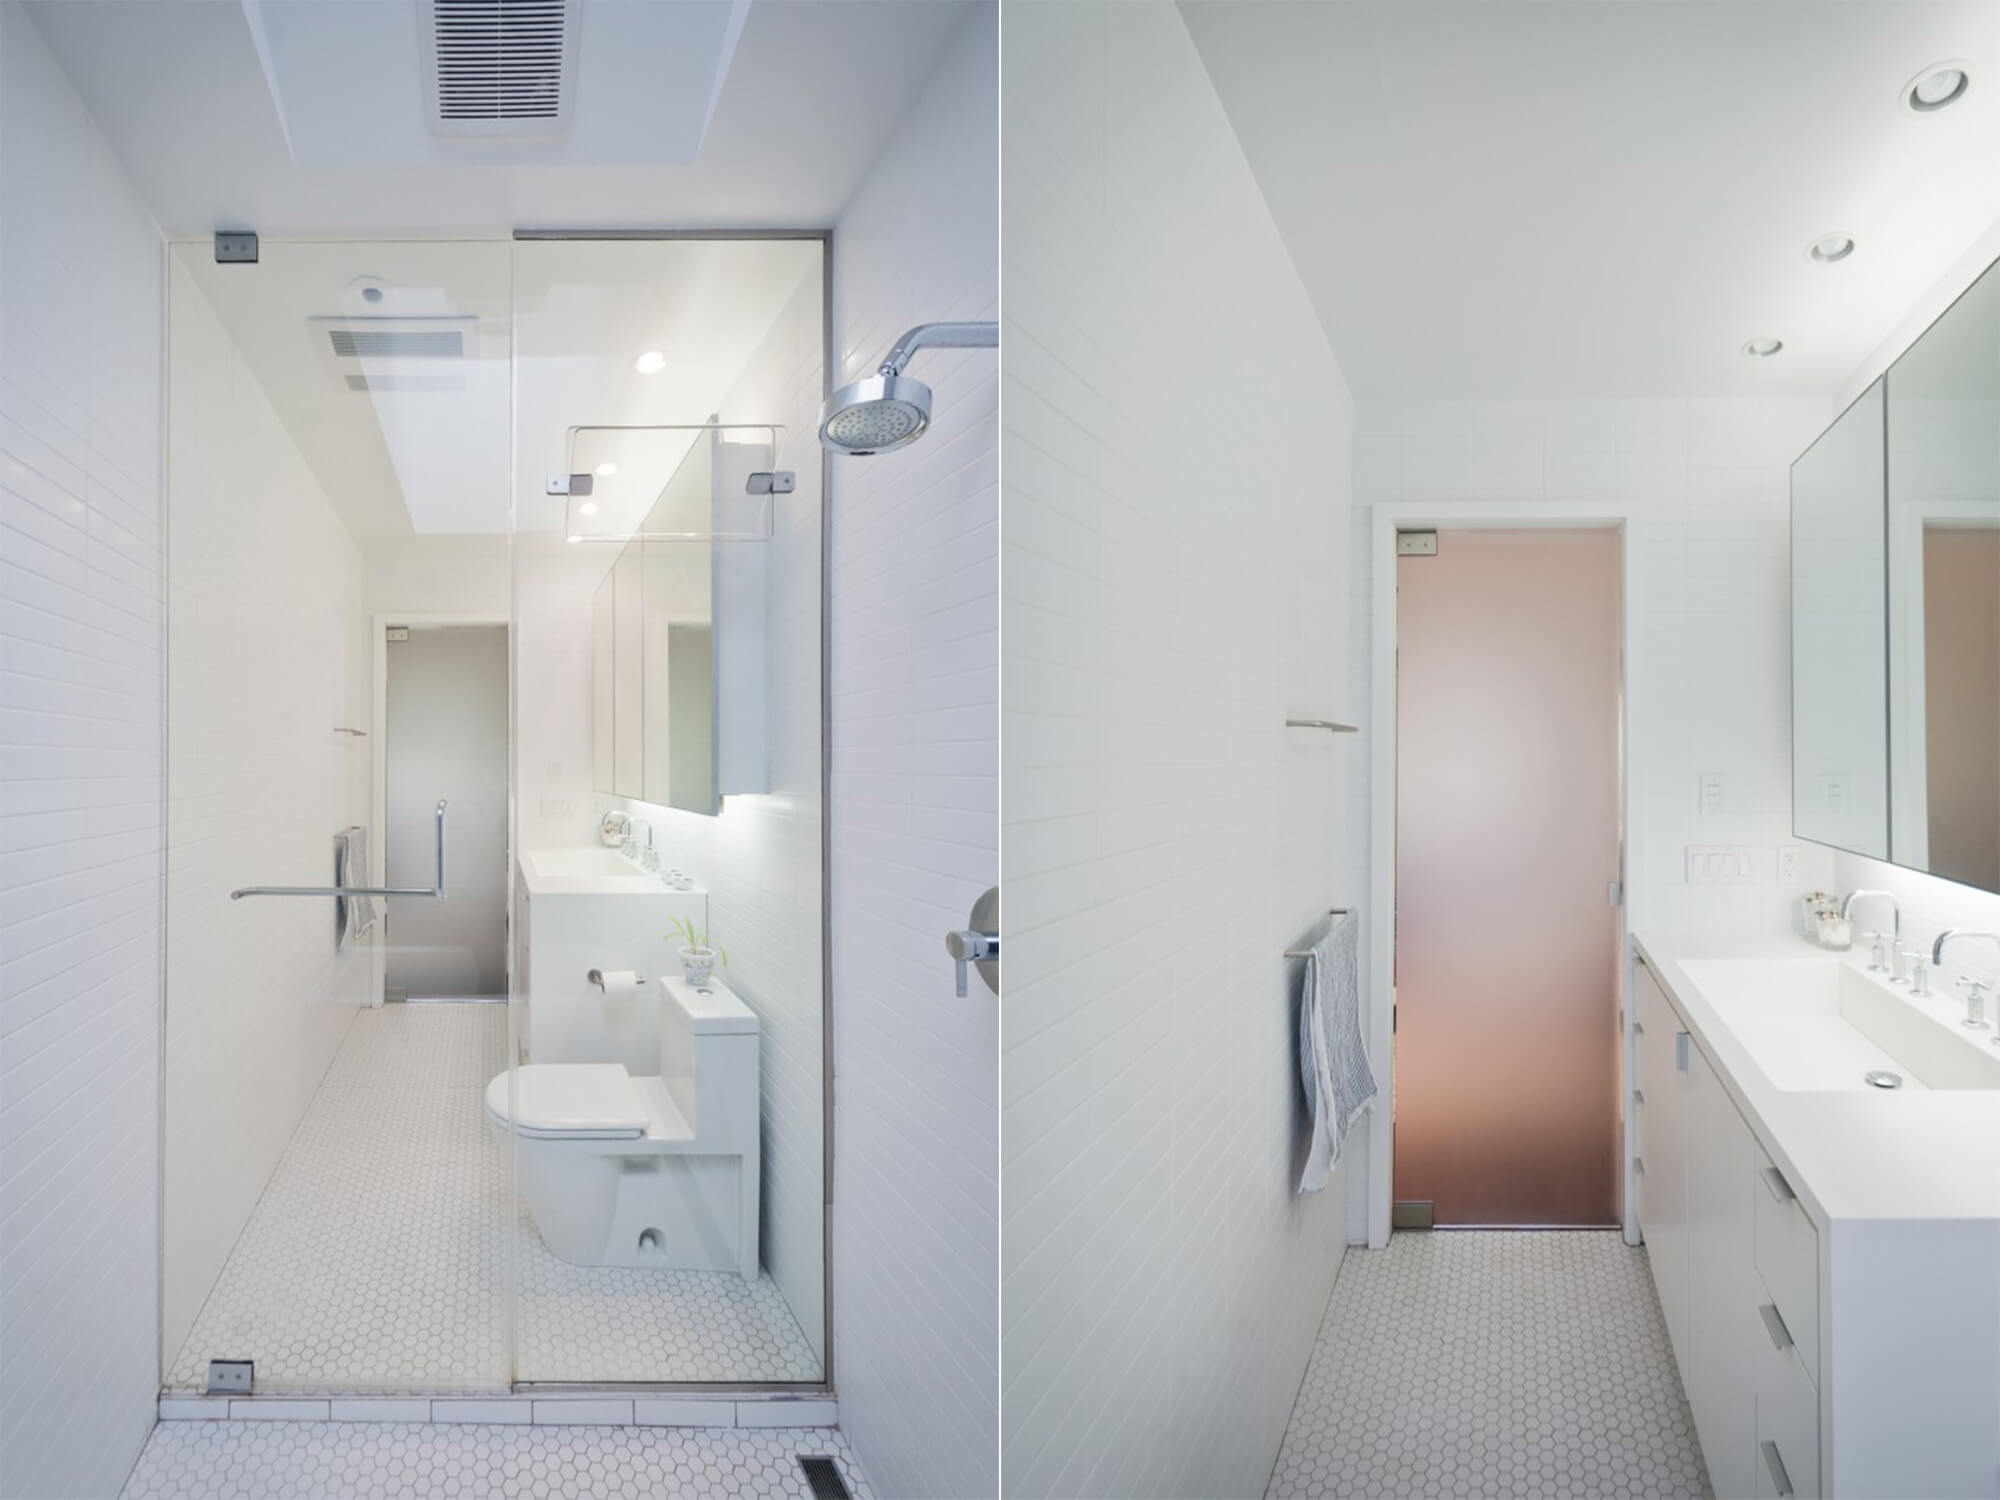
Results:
888 409
875 414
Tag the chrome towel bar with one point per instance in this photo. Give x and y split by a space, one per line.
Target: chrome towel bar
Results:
436 892
1331 911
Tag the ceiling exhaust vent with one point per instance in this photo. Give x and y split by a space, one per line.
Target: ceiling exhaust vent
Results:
499 67
398 354
353 342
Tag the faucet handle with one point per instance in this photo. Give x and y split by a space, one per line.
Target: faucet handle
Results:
1878 953
1920 976
1975 1003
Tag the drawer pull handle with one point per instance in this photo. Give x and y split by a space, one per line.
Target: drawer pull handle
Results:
1638 1028
1638 1096
1776 1465
1774 1181
1774 1324
1639 1165
1681 1041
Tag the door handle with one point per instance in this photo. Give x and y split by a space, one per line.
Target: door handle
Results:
1776 1465
978 942
435 892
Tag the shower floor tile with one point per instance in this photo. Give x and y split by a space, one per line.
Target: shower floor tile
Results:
408 1461
1492 1363
377 1257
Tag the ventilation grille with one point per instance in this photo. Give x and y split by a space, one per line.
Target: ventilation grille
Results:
823 1476
499 65
405 383
397 343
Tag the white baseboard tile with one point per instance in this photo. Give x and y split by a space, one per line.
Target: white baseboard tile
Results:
193 1408
683 1411
584 1412
575 1411
493 1409
270 1409
380 1409
788 1412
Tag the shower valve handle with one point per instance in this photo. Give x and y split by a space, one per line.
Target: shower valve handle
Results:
970 946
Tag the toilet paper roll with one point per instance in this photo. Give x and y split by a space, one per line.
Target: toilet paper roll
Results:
617 984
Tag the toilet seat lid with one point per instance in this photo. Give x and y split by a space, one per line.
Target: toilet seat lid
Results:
594 1101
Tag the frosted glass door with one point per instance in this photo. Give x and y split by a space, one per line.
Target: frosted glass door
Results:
1507 845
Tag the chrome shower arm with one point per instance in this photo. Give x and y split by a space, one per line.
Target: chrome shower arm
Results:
939 336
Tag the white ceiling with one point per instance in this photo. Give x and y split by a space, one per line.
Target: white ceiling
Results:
812 93
1577 198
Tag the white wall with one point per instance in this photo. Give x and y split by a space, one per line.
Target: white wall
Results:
915 836
1708 669
80 698
1177 452
267 653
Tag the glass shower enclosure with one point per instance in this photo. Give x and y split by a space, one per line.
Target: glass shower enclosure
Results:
464 569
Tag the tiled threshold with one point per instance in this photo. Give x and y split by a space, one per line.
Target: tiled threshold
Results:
597 1410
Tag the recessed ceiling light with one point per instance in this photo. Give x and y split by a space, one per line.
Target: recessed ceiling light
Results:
1829 248
1937 87
1763 348
588 508
650 363
607 468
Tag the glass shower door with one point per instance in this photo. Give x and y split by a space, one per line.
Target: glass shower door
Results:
336 1193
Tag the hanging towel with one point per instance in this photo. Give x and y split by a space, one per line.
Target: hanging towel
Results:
1332 1060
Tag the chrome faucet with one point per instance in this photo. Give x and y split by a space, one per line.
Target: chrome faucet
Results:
1975 989
1895 911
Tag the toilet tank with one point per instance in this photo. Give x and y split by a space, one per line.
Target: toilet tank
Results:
709 1059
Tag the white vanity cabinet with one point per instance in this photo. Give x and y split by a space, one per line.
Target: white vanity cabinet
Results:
1755 1405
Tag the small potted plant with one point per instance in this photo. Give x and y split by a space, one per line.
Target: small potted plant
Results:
698 955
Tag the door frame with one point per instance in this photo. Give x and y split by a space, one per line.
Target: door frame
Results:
378 787
1388 518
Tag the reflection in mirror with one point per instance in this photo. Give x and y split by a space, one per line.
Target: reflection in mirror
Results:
1840 739
679 674
1944 579
628 674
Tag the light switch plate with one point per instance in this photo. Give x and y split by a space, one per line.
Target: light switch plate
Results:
1714 794
1720 864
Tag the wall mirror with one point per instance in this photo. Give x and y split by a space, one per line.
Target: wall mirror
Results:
677 661
1896 609
1840 662
1944 593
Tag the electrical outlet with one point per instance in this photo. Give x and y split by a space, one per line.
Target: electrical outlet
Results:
1788 864
231 1377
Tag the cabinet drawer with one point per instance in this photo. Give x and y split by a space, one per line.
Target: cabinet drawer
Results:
1787 1427
1788 1259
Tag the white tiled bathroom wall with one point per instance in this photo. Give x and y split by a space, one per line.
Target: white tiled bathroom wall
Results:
1708 668
915 785
1175 576
81 623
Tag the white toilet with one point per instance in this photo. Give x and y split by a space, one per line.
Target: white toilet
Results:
625 1170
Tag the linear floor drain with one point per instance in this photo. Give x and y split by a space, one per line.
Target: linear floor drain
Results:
824 1477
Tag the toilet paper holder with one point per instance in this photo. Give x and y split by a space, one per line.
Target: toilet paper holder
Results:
596 977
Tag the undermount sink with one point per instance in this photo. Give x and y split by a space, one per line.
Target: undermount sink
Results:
573 864
585 872
1821 1025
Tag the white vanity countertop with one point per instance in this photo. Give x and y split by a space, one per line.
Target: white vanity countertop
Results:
600 871
1851 1154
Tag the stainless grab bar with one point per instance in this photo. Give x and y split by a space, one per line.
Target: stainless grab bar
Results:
436 892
